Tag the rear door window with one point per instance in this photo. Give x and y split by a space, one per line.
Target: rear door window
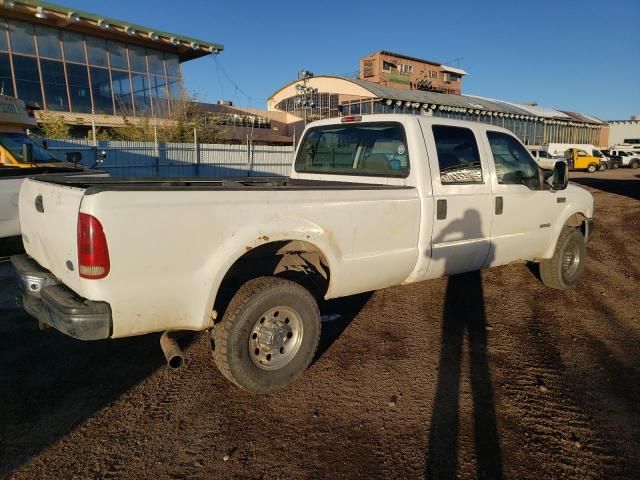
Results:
458 156
365 149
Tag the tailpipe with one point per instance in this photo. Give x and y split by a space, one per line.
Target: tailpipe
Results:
171 350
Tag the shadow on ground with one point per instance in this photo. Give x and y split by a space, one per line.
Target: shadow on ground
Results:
628 188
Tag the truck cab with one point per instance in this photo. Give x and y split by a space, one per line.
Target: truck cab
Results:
579 159
15 123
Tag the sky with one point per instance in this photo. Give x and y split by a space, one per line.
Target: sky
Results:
576 55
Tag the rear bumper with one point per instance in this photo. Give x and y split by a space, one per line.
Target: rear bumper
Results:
47 299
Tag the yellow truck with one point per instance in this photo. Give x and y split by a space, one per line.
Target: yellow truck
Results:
17 149
579 159
22 155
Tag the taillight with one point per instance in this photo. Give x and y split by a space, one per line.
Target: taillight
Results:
93 254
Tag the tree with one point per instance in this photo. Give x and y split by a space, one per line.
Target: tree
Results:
176 127
53 126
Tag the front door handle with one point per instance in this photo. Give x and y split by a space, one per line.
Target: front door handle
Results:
441 209
499 205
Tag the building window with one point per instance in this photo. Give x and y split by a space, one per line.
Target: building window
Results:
101 89
141 95
73 45
97 51
388 66
48 42
159 91
6 82
173 64
137 59
4 44
405 68
79 87
156 62
22 37
118 55
122 92
175 88
433 74
27 80
55 85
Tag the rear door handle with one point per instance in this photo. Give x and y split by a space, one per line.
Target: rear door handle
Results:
499 205
441 209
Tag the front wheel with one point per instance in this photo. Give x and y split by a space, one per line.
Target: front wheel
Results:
591 168
268 335
635 164
603 167
566 267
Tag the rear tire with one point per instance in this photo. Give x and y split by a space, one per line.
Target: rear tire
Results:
635 164
268 335
603 167
564 270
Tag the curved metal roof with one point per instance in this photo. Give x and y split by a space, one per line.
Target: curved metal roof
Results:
472 102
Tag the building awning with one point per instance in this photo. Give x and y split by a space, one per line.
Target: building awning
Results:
459 71
86 22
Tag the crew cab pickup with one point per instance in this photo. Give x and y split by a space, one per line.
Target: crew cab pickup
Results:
371 202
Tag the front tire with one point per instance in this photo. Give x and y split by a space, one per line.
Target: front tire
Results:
603 167
268 335
634 164
591 168
564 270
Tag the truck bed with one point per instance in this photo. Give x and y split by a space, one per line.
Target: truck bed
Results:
93 185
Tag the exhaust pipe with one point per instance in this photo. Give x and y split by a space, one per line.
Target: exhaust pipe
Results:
171 350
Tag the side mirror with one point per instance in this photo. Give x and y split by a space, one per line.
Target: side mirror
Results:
73 157
560 178
27 153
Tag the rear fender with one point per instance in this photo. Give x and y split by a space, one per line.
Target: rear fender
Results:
255 235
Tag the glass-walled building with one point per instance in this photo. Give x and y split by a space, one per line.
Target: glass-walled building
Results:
60 60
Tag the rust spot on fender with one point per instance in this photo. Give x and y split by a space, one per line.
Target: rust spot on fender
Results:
248 247
265 238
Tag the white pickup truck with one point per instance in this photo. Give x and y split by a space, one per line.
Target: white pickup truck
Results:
371 202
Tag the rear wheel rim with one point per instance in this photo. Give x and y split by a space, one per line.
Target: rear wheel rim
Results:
275 338
571 258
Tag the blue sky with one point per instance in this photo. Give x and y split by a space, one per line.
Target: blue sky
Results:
573 55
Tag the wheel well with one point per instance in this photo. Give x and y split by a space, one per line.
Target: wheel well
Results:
299 261
578 220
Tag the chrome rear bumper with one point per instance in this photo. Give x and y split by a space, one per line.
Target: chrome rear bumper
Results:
47 299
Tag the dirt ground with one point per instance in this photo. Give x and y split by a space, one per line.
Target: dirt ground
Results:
483 375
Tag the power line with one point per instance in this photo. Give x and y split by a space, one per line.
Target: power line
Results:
220 68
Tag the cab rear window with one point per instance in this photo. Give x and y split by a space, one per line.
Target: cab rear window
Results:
365 149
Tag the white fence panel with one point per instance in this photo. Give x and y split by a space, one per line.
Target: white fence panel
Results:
125 158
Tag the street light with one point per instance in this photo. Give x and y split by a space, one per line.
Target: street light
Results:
305 92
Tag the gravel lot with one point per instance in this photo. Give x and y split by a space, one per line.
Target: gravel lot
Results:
483 375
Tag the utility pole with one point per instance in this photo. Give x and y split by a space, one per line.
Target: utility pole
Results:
305 92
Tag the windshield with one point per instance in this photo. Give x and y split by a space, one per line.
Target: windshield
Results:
13 143
597 153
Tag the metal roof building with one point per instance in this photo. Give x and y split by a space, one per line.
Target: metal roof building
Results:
534 125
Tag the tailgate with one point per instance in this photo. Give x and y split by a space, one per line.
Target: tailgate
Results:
49 218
